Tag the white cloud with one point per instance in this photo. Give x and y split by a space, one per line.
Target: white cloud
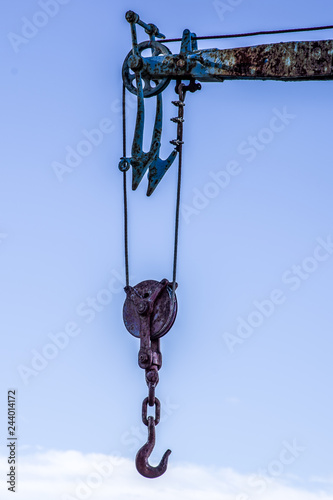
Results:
72 475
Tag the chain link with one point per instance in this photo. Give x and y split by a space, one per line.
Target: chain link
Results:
145 411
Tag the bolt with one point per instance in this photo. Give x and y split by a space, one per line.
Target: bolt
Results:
152 377
317 53
180 63
135 62
144 357
131 16
124 165
142 307
152 30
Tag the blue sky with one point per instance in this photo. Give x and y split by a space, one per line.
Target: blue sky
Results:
246 380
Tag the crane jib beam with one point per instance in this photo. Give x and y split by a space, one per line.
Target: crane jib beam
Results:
287 61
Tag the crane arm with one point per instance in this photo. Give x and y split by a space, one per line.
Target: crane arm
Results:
286 61
148 75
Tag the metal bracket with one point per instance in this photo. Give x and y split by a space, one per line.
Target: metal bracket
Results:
189 42
133 69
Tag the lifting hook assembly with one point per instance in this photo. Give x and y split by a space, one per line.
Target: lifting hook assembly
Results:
149 312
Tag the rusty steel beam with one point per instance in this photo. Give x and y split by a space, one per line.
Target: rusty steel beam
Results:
287 61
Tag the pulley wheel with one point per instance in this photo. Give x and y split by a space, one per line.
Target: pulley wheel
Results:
163 315
129 75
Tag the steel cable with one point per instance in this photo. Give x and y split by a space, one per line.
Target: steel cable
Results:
125 187
255 33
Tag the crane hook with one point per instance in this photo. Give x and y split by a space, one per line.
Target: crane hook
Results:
144 453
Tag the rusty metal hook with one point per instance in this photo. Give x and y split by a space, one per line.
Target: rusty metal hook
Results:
141 460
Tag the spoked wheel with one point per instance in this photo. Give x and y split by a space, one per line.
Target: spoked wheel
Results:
129 76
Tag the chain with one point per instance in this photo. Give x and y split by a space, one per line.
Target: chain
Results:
152 379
